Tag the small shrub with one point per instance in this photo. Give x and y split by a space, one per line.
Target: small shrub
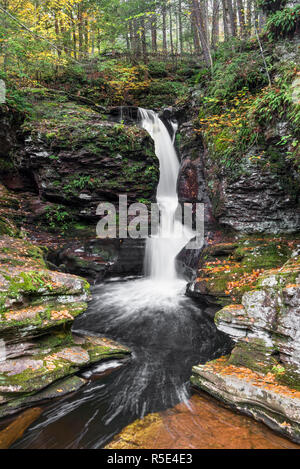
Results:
243 71
202 76
283 23
57 218
157 69
15 98
272 103
271 5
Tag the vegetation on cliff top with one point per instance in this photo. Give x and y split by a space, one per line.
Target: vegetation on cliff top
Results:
240 111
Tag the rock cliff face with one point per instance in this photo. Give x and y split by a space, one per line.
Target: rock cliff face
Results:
78 158
10 124
64 161
96 259
258 198
192 184
37 347
253 187
261 200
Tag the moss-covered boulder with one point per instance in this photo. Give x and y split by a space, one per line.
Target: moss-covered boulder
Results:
34 299
51 361
229 269
37 309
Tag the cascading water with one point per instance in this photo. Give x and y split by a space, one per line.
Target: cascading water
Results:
165 330
162 248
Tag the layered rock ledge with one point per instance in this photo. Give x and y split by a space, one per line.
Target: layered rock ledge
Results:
261 377
39 354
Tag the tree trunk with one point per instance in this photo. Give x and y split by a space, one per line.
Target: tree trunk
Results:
203 7
86 37
154 34
241 13
195 34
98 41
215 24
57 33
231 16
73 34
261 21
180 27
200 24
164 26
171 31
225 19
4 46
143 40
136 42
249 16
80 33
131 35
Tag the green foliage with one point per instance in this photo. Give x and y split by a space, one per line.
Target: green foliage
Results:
58 218
79 182
202 76
241 70
272 103
283 23
73 73
242 120
157 69
142 200
15 97
152 173
271 5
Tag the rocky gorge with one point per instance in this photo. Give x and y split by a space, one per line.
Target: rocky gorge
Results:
60 162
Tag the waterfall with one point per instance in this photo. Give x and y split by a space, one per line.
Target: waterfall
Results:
163 247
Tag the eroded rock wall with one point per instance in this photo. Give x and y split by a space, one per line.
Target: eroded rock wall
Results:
261 376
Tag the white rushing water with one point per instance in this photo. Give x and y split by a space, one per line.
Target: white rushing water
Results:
163 247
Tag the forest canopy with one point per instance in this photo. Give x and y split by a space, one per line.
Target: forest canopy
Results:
37 35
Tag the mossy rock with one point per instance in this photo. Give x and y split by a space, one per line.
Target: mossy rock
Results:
253 354
54 358
33 321
228 270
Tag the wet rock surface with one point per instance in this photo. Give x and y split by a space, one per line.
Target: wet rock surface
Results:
15 430
192 185
259 198
252 394
201 424
228 269
261 375
96 259
37 347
